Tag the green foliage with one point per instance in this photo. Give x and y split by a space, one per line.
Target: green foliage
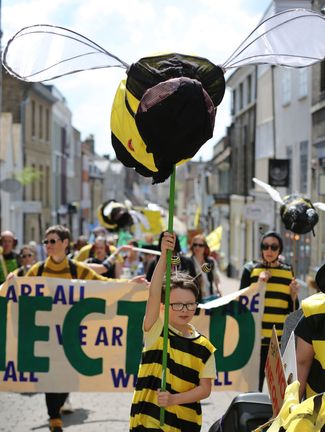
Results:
28 175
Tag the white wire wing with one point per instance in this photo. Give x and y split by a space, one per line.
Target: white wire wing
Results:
319 205
43 52
294 37
274 194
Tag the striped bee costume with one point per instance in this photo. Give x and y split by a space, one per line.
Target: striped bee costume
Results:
186 364
311 328
67 269
277 301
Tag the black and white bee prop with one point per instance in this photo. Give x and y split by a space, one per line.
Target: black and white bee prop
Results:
114 215
176 260
164 110
205 268
297 212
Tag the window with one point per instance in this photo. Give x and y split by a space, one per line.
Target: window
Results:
47 186
241 96
233 103
33 119
33 185
289 156
41 184
249 89
286 86
41 122
47 124
322 76
303 82
303 166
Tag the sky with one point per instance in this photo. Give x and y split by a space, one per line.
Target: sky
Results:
132 29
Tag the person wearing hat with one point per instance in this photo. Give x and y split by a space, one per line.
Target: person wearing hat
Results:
281 291
310 333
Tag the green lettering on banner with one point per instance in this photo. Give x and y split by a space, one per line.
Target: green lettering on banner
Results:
3 332
71 336
134 342
246 324
29 333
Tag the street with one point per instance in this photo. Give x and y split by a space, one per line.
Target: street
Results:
96 411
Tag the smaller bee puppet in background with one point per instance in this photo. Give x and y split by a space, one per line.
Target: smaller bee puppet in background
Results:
297 211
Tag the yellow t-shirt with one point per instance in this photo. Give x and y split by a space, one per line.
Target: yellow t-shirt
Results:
84 252
62 270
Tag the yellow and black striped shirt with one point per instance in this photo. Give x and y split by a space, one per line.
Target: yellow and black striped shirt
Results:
186 362
277 301
311 328
62 270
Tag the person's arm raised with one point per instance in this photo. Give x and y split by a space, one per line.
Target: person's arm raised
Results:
153 303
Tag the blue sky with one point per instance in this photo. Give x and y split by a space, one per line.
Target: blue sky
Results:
132 29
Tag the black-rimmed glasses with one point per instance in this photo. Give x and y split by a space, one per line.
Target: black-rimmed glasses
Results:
180 306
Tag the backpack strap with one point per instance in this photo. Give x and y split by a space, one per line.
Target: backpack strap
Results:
40 268
73 269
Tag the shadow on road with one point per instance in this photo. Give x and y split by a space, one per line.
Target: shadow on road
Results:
79 417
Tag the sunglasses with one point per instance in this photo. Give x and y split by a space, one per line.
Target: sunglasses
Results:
26 256
51 241
274 247
180 306
198 245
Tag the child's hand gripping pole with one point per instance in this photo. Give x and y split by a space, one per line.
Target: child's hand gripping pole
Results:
167 292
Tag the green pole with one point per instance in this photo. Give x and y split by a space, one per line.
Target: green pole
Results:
167 293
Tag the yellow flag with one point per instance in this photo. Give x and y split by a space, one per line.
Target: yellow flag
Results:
214 239
154 219
197 217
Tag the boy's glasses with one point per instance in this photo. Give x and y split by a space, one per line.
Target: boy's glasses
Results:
274 247
26 256
198 245
180 306
51 241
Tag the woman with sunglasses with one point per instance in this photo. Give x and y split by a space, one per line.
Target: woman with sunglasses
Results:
281 290
185 265
27 258
209 282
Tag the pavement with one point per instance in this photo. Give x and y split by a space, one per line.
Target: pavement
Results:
105 412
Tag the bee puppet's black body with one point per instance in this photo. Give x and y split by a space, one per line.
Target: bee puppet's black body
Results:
298 214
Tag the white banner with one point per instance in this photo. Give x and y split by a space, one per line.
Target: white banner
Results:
58 335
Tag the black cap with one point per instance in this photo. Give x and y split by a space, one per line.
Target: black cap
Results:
273 234
320 278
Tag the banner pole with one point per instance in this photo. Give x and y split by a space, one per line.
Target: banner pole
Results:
167 292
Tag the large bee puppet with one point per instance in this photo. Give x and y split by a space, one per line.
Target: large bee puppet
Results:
164 110
115 215
297 212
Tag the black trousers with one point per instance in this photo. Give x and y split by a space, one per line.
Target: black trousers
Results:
263 357
54 402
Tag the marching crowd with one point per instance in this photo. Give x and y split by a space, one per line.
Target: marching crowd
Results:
102 259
